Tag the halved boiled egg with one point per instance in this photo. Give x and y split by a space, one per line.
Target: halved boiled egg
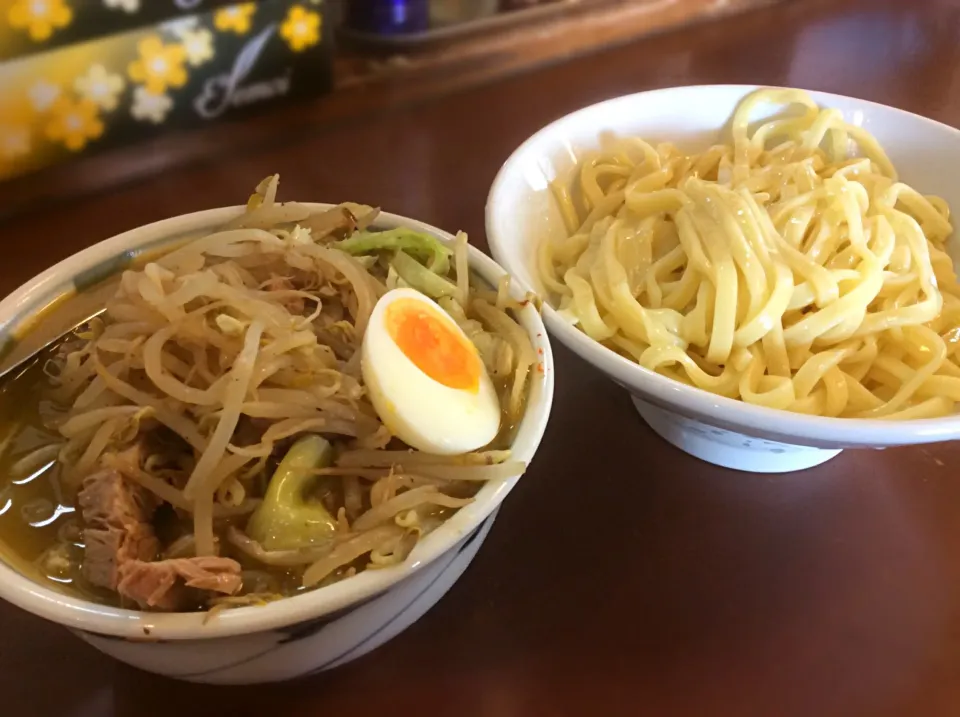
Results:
425 377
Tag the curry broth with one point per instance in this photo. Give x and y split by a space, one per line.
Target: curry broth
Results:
41 533
37 515
33 511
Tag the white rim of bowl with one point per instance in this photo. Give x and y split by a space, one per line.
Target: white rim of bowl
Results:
689 400
80 614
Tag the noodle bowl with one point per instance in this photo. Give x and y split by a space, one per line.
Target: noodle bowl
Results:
217 371
781 269
282 639
778 421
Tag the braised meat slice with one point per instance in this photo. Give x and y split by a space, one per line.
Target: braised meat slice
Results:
121 549
165 584
116 514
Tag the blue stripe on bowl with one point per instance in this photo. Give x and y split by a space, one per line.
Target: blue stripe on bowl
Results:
89 278
293 633
310 628
29 315
397 615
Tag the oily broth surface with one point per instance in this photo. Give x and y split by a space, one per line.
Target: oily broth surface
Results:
33 511
37 516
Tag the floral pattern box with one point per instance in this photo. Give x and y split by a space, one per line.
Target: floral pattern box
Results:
81 75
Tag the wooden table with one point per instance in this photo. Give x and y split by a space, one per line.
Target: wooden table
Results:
622 577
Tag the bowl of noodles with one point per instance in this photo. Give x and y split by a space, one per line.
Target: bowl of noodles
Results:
256 442
769 272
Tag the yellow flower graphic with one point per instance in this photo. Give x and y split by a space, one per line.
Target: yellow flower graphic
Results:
301 29
160 66
74 123
198 44
235 18
100 87
39 17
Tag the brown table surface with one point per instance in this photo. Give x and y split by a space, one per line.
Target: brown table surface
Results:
622 576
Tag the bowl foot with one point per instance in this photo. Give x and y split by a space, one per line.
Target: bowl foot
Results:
727 448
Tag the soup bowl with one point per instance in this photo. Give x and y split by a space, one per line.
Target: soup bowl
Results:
521 212
294 636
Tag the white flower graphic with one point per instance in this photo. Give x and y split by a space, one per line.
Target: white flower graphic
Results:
100 87
14 141
125 5
178 26
198 45
151 107
42 94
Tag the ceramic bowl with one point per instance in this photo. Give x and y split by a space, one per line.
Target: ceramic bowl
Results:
521 211
295 636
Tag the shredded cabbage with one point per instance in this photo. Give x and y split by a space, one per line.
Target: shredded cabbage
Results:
424 246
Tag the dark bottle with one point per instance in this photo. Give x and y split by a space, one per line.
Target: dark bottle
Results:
388 17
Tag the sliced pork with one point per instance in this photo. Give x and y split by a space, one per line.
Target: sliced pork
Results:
121 549
165 584
117 515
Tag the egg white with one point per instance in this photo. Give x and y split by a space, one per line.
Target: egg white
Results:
421 412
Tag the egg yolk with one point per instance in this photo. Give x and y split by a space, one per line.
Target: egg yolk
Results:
432 345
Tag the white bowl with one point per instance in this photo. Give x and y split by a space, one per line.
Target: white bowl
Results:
521 211
295 636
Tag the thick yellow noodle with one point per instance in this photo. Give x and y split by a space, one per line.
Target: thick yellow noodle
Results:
782 269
